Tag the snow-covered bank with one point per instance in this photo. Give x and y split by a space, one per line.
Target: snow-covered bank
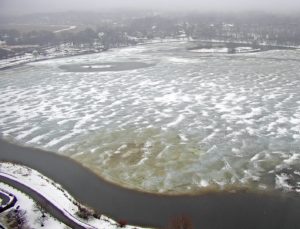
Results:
52 54
66 50
33 213
55 194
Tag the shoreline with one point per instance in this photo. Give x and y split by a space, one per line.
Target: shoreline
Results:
161 41
88 53
210 210
39 60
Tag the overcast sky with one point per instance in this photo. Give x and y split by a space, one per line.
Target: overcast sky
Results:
32 6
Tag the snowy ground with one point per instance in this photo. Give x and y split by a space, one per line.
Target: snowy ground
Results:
54 193
190 121
33 212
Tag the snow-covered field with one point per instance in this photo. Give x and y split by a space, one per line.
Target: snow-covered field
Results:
54 193
191 121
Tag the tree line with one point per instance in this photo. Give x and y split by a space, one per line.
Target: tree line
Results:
130 30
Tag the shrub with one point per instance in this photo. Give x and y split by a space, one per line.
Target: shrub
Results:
122 223
84 213
16 218
181 222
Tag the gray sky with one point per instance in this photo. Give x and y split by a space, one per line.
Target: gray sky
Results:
31 6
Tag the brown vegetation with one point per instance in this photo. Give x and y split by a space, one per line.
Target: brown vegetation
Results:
122 223
181 222
16 218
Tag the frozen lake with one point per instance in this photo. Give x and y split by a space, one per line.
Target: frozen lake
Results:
160 118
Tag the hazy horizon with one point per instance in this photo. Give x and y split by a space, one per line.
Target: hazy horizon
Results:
47 6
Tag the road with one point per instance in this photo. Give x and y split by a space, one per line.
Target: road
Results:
8 200
66 29
4 198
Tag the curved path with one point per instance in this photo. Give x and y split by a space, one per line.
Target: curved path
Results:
4 199
46 204
8 200
208 211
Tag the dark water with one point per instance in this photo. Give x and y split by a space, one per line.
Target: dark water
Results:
211 210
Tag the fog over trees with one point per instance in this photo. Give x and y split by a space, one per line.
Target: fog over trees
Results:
37 26
33 6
